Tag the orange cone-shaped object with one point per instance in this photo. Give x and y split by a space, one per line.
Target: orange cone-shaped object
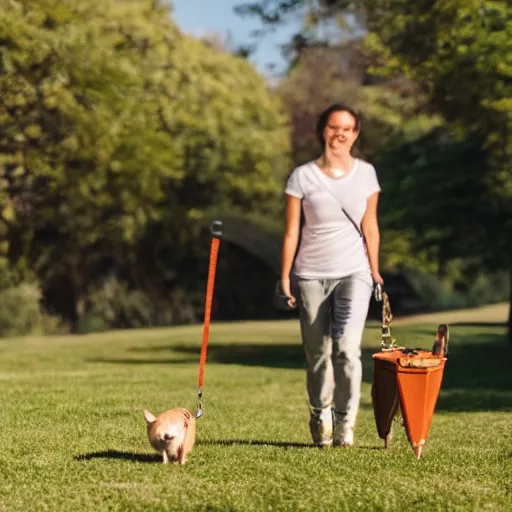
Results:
411 380
419 381
385 396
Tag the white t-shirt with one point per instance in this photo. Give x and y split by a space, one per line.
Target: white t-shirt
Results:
331 247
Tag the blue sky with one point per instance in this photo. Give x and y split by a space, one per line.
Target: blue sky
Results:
198 17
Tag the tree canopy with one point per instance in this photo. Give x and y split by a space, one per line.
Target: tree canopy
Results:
451 183
114 126
121 138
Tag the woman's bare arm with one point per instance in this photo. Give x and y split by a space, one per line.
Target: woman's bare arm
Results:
290 240
370 227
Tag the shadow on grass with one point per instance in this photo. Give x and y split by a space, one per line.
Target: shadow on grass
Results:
157 459
279 444
252 442
426 331
251 354
477 376
118 455
478 324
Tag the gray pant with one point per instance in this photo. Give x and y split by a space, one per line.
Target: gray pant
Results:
332 318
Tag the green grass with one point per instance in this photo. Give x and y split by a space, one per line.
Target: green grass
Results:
73 435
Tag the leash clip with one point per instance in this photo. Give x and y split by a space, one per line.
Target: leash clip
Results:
199 411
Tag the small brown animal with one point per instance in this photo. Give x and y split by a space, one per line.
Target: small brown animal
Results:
172 434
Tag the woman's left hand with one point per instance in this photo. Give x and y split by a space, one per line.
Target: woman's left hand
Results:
377 278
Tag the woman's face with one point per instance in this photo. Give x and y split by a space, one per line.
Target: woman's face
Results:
340 132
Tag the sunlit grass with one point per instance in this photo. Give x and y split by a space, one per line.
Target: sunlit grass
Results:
73 434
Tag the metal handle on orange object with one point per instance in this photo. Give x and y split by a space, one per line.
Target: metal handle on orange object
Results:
387 341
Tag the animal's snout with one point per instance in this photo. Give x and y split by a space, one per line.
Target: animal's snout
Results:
168 437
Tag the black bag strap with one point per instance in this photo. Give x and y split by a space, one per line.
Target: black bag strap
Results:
358 229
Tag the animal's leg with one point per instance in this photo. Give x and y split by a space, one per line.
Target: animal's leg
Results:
182 457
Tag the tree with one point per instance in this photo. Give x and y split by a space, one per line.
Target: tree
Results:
443 46
115 127
84 160
460 53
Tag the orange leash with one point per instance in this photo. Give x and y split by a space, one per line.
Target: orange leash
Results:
215 230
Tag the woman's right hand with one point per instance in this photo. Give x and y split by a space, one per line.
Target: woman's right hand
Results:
285 285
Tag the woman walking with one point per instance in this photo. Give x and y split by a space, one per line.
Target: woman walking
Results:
335 270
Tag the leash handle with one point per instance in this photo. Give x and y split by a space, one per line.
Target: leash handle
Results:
216 231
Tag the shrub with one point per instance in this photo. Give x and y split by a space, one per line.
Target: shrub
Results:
115 306
21 314
488 288
432 293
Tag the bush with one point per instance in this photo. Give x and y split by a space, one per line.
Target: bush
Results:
21 313
488 288
473 289
432 293
115 306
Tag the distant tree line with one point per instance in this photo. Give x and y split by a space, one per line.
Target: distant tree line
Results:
434 83
122 138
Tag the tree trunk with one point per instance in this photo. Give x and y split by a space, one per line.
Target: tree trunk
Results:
76 284
79 313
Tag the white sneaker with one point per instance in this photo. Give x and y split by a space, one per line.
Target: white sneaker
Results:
320 426
343 435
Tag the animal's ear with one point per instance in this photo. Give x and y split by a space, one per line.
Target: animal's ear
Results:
149 417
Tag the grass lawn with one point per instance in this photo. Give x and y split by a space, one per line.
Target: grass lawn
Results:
73 435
